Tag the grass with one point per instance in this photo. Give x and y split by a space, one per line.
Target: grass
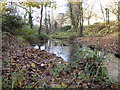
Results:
69 34
30 35
96 29
99 29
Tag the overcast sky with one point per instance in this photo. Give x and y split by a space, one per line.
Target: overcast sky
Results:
62 5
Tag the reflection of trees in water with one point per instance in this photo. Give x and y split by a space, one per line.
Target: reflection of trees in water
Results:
73 50
55 43
39 45
49 45
64 50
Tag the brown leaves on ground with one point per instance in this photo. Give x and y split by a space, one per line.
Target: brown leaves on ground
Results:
27 67
109 43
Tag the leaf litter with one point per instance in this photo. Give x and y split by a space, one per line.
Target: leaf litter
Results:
27 67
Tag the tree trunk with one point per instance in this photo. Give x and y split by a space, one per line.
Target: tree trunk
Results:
49 22
41 13
72 16
30 18
46 21
119 16
88 21
81 20
107 19
102 12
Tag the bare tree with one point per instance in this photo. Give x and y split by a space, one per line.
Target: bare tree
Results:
88 12
102 11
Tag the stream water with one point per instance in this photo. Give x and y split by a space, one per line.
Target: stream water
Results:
67 50
63 49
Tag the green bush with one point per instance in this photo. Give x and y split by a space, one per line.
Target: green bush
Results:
72 36
10 23
94 61
43 36
65 28
4 34
32 38
28 33
26 30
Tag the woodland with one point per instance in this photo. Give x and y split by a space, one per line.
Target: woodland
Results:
78 48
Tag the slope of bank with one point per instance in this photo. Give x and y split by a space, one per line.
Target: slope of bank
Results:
108 43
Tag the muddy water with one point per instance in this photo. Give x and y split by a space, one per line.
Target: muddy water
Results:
68 50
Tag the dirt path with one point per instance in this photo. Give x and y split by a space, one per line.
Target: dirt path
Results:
107 43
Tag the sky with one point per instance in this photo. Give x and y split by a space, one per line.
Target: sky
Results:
62 6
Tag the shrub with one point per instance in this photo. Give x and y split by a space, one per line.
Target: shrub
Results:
43 36
28 33
65 28
94 61
72 36
25 31
10 23
32 38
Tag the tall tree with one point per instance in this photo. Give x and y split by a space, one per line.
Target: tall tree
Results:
30 17
72 17
102 12
49 22
46 20
89 12
76 15
81 19
41 17
107 19
119 15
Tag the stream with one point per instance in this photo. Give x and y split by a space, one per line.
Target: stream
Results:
63 49
67 50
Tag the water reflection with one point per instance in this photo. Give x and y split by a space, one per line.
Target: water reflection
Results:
65 49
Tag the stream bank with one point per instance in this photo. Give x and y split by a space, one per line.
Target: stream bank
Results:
27 67
68 51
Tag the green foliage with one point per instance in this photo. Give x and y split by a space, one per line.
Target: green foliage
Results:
26 30
72 36
57 69
65 28
94 61
27 33
69 34
119 35
100 29
89 68
11 22
43 36
4 34
32 38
